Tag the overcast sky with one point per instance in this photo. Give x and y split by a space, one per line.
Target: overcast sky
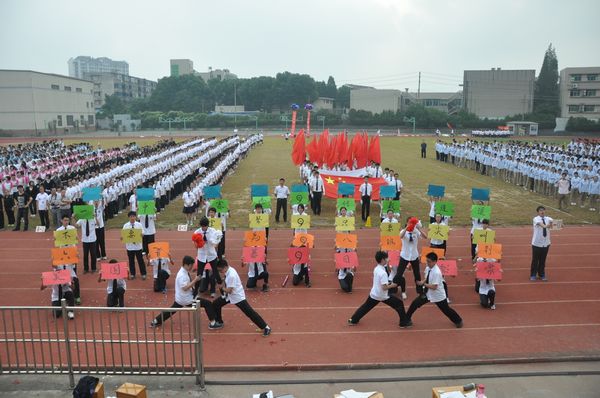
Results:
382 43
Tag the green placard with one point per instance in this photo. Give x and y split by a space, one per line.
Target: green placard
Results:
444 208
299 198
84 212
348 203
388 204
265 201
146 207
220 205
481 212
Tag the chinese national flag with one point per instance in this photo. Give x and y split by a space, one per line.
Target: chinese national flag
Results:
331 185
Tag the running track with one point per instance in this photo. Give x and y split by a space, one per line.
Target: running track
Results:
533 320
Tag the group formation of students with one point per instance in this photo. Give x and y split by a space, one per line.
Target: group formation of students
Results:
491 133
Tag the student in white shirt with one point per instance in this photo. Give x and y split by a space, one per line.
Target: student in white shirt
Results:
58 293
88 238
379 293
281 193
212 213
148 231
540 244
366 190
42 199
564 189
207 239
161 272
258 271
188 205
345 275
100 236
316 189
301 272
134 250
115 290
233 292
409 254
66 221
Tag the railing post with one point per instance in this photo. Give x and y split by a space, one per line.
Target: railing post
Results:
198 342
63 304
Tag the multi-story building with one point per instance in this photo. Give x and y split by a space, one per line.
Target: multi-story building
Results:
123 86
498 93
377 101
580 92
180 67
80 65
45 103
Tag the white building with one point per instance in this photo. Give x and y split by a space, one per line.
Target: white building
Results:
45 103
580 92
180 67
83 64
123 86
377 101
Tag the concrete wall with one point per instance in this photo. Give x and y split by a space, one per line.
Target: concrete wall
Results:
376 101
576 97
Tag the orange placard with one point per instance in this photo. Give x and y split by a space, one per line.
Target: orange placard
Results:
64 256
307 240
390 242
255 238
426 250
489 250
56 277
346 241
159 250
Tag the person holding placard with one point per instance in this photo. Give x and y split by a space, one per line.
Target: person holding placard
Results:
540 244
161 272
258 271
88 239
148 230
66 225
134 249
409 254
281 193
213 213
476 223
439 243
366 190
301 271
115 290
345 275
487 293
485 226
100 236
59 292
207 239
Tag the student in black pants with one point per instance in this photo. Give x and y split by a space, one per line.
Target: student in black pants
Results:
366 191
281 194
22 200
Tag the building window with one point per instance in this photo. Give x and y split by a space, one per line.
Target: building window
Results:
575 78
79 90
69 120
81 119
588 108
573 108
59 120
592 77
91 120
67 88
574 93
55 87
589 93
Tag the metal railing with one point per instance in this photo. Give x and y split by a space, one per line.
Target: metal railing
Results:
100 340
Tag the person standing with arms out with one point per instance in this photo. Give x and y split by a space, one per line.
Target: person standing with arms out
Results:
423 150
379 294
366 190
282 193
409 254
316 188
540 244
206 240
134 250
21 205
42 199
564 189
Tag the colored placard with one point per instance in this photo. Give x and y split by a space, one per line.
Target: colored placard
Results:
557 225
448 267
484 236
304 240
489 250
393 257
299 198
481 212
146 207
488 270
143 194
426 250
438 231
264 201
258 220
300 222
344 223
182 227
56 277
253 254
387 191
348 203
390 242
114 270
345 189
437 191
84 212
65 237
346 260
346 241
299 188
444 208
393 205
92 193
214 222
389 229
64 256
480 194
255 238
159 250
220 205
259 190
131 235
298 255
212 192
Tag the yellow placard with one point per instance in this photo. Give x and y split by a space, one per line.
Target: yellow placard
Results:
131 235
215 222
258 220
484 236
344 223
65 237
389 229
300 222
438 232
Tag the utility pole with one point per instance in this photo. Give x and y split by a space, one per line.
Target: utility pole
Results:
419 88
234 105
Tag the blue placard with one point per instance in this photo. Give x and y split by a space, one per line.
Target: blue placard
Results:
299 188
144 194
437 191
92 193
387 191
345 189
480 194
259 190
212 192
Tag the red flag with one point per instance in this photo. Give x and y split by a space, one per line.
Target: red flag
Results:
313 150
449 126
331 185
375 150
299 150
323 147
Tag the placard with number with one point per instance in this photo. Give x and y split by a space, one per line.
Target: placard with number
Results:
255 238
159 250
220 205
304 240
346 241
299 198
393 258
489 250
481 212
298 255
438 231
488 270
65 237
146 207
348 203
393 205
131 235
426 250
444 208
300 221
258 220
448 267
389 229
264 201
484 236
253 254
114 270
64 256
390 242
346 260
215 222
56 277
344 223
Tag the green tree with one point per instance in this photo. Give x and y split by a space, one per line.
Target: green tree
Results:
331 88
545 99
187 93
342 99
113 105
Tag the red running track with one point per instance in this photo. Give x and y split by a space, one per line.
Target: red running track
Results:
533 320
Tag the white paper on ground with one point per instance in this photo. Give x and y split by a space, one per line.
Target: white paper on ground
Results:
356 394
452 394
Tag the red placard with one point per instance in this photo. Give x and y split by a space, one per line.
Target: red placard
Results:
114 270
489 270
393 258
298 255
346 260
56 277
253 254
448 267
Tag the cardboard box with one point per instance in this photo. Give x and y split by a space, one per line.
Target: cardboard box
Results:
99 391
130 390
438 390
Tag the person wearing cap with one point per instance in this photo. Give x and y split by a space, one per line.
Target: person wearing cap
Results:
540 244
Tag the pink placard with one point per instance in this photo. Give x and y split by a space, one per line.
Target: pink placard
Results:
298 255
489 270
346 260
253 254
56 277
393 258
448 267
114 270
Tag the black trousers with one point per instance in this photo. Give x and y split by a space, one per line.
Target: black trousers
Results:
221 247
423 153
89 253
68 296
370 303
76 288
346 283
160 282
100 243
146 240
416 268
316 206
365 209
251 283
116 298
487 300
303 274
44 218
421 300
207 305
209 278
281 204
243 305
1 211
538 261
132 255
22 212
8 207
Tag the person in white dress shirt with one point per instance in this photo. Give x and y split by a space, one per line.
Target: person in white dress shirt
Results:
281 192
134 250
115 290
188 205
409 254
540 244
316 189
366 190
207 254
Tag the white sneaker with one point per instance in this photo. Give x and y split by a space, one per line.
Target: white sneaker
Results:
573 203
448 300
403 296
493 307
71 315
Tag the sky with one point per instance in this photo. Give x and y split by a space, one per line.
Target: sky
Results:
379 43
